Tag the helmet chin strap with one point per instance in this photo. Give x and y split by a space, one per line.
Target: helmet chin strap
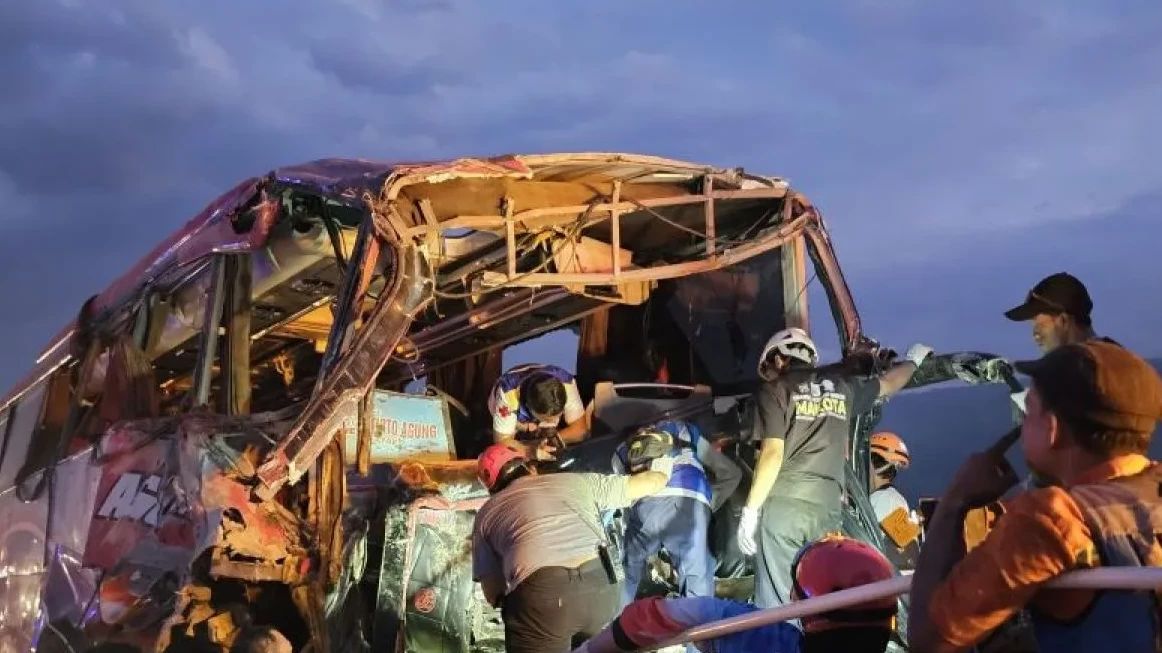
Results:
772 367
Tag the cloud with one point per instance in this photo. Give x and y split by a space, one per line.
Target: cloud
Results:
955 299
914 125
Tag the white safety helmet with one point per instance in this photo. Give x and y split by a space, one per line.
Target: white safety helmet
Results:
792 343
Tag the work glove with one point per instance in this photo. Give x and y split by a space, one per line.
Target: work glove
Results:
1019 400
746 531
917 353
663 465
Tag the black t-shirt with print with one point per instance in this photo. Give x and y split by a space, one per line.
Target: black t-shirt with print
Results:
810 411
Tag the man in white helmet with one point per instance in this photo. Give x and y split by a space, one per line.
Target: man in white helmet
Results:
802 415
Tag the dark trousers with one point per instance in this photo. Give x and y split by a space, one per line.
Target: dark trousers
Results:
681 525
785 526
555 605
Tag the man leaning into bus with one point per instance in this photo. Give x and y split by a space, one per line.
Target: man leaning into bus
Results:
1091 411
529 401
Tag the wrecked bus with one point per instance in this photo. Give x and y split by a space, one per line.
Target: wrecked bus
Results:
224 435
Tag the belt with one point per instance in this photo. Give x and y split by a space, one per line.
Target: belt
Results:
589 566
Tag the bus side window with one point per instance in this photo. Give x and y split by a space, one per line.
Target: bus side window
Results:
46 445
22 418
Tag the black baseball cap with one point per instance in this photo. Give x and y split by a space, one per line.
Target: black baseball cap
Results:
1055 294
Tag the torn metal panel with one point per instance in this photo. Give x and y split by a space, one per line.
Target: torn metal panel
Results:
217 228
838 293
342 391
171 489
974 368
35 591
427 599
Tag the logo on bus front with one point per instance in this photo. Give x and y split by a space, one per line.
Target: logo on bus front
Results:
133 496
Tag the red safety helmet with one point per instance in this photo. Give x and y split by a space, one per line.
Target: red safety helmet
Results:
495 463
891 447
833 563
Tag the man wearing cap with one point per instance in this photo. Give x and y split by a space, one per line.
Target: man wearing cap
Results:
1059 307
1092 409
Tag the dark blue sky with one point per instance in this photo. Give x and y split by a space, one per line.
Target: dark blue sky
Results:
960 150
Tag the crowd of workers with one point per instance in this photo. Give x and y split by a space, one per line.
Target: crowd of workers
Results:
541 551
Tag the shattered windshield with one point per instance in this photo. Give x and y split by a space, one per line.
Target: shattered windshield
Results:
726 316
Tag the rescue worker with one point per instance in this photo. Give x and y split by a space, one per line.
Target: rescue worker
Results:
802 419
529 401
1060 309
830 564
539 550
889 456
1093 407
678 517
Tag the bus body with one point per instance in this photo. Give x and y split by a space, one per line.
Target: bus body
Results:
211 441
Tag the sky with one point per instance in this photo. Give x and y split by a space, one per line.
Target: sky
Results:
960 151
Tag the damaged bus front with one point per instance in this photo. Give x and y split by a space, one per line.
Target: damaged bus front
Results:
225 435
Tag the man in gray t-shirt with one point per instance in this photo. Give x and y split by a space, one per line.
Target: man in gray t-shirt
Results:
535 547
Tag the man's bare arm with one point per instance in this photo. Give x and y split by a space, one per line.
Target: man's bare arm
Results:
766 470
644 484
577 431
896 378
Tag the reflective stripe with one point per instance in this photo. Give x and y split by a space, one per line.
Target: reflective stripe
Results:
680 492
688 478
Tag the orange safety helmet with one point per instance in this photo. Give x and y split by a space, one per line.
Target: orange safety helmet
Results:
497 462
891 447
834 563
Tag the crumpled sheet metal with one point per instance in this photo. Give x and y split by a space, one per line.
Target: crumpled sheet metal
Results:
340 395
971 367
427 598
265 531
32 594
212 229
169 491
434 173
426 594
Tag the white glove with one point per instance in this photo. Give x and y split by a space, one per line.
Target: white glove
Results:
1019 399
917 353
663 465
746 531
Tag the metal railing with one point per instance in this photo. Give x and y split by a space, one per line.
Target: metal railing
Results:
1124 578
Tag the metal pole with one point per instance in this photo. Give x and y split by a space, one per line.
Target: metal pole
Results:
1126 578
208 341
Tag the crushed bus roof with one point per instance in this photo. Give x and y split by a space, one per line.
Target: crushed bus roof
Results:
458 209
